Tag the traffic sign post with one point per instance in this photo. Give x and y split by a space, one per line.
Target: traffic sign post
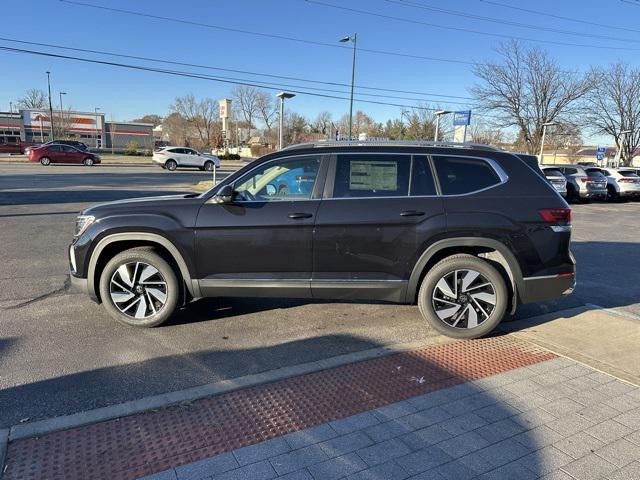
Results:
462 119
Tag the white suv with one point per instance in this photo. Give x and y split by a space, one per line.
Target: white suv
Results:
174 157
621 183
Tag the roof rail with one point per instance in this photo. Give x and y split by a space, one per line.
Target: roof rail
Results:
391 143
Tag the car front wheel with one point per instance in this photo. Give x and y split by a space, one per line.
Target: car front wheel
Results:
139 288
463 296
171 165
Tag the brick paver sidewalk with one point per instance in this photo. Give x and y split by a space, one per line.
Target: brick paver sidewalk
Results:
495 408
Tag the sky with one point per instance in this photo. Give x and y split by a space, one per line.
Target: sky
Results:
125 94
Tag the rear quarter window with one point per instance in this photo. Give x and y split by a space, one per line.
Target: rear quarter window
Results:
460 175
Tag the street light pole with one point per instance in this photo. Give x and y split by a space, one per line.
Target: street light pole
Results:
544 134
282 96
50 107
62 114
354 40
438 114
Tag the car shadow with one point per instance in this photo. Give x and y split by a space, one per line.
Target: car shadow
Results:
459 428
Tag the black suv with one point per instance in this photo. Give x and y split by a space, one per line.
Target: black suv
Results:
466 232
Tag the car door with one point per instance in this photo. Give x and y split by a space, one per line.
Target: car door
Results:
260 244
379 212
190 158
72 154
55 154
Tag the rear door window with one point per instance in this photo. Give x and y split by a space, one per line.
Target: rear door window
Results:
460 175
422 183
371 175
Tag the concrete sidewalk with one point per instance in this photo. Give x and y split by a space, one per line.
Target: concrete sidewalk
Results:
504 407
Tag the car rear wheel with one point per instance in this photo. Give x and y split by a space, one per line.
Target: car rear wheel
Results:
88 162
171 165
139 288
463 296
208 166
45 161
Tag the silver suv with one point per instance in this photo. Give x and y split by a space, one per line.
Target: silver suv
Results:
583 183
556 178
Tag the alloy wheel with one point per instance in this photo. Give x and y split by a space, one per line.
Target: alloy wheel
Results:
463 298
138 290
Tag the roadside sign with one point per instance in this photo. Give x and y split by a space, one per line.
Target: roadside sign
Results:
601 150
462 118
600 156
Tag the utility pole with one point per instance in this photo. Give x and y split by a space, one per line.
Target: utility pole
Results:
354 40
50 107
96 110
544 134
62 114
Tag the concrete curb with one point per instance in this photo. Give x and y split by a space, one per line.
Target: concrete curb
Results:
141 405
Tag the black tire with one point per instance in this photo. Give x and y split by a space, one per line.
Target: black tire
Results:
148 256
446 267
88 162
45 161
171 165
208 166
612 194
572 194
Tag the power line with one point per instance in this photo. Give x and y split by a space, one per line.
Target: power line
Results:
502 21
559 17
272 35
466 30
205 77
184 64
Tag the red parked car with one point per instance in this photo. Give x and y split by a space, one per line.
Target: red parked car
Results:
55 153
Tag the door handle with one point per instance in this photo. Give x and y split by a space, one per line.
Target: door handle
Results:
411 213
297 216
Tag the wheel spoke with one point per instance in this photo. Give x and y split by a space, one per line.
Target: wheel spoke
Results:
485 297
448 312
147 272
141 311
123 271
444 287
477 287
121 297
468 279
159 294
472 317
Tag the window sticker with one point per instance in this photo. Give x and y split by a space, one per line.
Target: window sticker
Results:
371 175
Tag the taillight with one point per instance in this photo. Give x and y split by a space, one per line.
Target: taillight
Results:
556 216
628 180
584 179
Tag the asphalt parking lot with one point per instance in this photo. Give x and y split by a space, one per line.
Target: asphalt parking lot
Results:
53 341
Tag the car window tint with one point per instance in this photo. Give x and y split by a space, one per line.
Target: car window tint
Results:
69 149
593 172
286 179
570 171
421 177
552 172
174 150
55 148
371 175
459 175
628 173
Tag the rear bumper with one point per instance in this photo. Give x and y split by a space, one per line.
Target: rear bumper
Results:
538 289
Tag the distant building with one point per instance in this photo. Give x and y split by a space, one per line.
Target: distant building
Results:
34 126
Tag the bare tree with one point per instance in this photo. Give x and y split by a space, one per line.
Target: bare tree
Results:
247 101
267 109
201 116
527 89
150 118
613 106
177 128
33 98
485 134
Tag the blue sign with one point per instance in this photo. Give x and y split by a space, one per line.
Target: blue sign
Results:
601 150
462 118
600 156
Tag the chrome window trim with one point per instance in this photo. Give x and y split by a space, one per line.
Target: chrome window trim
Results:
498 170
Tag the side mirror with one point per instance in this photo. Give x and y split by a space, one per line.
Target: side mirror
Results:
224 195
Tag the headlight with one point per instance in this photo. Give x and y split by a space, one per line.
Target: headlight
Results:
82 223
